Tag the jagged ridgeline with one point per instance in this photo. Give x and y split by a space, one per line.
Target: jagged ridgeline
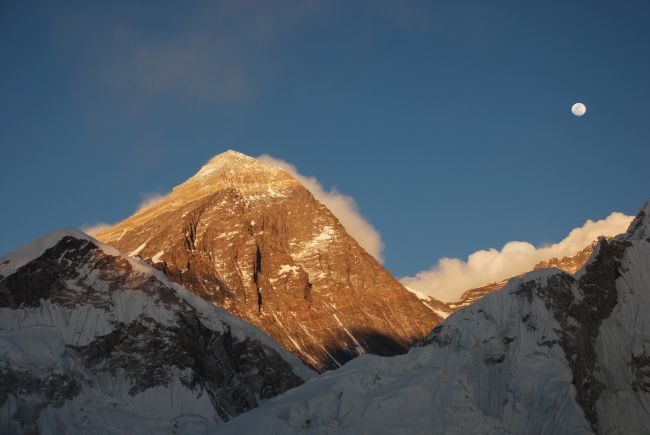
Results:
251 239
94 341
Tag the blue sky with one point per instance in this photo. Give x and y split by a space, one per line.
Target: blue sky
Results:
448 122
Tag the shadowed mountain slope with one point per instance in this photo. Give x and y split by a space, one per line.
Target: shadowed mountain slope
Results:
549 353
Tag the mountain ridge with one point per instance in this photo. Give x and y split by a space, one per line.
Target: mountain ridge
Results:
94 340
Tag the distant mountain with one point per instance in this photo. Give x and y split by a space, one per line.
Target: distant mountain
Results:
570 264
549 353
93 341
251 239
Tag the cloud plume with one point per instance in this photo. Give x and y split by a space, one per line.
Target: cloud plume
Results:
450 277
149 200
344 207
94 228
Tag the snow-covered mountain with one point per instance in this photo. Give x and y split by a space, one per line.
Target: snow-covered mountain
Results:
550 353
93 341
252 239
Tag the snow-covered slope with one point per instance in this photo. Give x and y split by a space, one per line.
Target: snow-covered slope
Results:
94 341
550 353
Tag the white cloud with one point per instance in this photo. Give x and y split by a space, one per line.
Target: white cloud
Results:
94 228
344 207
149 200
450 277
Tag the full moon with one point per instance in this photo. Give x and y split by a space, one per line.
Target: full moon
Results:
578 109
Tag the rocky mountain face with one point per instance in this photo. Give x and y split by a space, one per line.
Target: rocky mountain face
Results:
551 352
251 239
569 264
93 341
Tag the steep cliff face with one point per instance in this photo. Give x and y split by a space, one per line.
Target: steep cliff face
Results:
94 341
549 353
254 241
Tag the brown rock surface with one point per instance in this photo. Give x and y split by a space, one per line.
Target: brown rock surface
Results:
253 240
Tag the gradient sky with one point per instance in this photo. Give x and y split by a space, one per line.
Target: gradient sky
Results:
448 122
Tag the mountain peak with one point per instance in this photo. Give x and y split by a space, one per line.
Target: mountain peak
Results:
23 255
250 238
639 228
228 171
230 157
234 161
234 170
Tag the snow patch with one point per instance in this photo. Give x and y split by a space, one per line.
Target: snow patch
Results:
326 235
108 408
358 346
37 348
157 258
286 268
139 249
